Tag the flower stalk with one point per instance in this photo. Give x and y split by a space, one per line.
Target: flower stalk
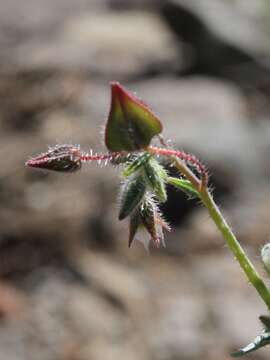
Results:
235 247
227 233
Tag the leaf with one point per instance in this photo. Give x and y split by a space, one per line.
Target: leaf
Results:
132 194
134 223
155 176
183 185
260 341
131 125
136 164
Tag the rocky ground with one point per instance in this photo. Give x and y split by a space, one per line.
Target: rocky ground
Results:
70 288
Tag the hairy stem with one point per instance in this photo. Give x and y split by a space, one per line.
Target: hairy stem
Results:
227 233
235 247
179 164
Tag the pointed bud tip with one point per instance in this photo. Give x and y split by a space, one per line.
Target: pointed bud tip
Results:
29 163
120 92
62 158
116 86
37 162
131 125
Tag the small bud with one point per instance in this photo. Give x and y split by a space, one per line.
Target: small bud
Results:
155 176
149 219
265 255
132 193
136 164
63 158
131 124
147 216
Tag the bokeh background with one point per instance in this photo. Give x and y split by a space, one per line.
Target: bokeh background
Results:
70 289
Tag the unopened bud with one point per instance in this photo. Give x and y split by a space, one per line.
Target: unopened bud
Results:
147 216
148 213
131 124
132 193
155 175
63 158
137 163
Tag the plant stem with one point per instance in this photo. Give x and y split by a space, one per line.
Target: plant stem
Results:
179 164
226 232
235 247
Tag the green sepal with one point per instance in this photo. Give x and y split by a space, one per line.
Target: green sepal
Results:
156 176
150 218
132 193
184 185
147 212
134 224
136 164
131 125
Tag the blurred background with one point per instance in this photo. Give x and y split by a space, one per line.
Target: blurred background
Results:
70 289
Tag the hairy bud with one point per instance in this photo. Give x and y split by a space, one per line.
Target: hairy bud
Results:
136 163
155 176
62 158
132 194
131 125
147 215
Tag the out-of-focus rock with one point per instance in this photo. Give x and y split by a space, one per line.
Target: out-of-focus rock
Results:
113 44
209 50
170 308
85 294
210 118
240 23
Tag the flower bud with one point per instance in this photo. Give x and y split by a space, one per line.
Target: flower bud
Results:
63 158
148 213
134 224
131 124
137 163
147 216
155 176
132 193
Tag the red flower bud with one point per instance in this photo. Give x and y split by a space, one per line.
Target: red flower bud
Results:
63 158
131 124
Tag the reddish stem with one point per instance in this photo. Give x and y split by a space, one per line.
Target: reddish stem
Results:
99 157
185 157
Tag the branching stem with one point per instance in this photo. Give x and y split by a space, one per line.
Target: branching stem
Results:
225 229
235 247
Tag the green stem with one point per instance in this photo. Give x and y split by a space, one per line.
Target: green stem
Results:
226 232
235 247
222 226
